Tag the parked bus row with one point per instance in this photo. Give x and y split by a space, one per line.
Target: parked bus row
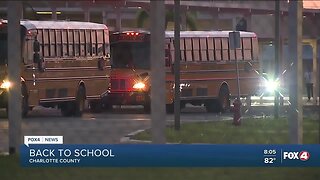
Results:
208 70
66 63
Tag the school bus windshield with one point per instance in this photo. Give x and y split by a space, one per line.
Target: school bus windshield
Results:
130 55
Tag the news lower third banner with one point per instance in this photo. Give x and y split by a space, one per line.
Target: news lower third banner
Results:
49 151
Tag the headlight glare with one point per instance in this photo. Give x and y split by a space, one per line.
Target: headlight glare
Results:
139 85
5 85
271 85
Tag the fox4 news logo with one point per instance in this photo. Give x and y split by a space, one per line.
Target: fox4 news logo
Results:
302 155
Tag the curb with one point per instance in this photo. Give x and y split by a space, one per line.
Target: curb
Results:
127 138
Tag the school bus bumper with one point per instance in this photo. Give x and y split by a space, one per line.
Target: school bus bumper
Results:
128 98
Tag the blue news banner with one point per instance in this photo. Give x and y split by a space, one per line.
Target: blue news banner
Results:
169 155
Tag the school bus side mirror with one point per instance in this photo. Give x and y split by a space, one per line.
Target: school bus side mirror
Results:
36 46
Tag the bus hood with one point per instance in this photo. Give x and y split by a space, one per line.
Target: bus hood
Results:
130 73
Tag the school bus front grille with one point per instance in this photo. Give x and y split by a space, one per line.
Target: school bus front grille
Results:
118 84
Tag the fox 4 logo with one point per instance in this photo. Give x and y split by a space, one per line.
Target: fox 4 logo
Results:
302 155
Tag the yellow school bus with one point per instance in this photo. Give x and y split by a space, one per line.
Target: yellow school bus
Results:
63 64
208 68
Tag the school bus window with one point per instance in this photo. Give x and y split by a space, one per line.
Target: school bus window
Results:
76 43
203 49
168 59
232 54
82 43
46 44
30 51
239 54
88 43
247 48
188 49
210 49
28 57
100 42
40 39
182 50
225 49
218 50
59 43
94 42
70 42
171 47
65 43
52 43
196 49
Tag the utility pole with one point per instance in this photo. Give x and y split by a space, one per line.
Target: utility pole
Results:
295 82
277 57
177 64
158 90
14 61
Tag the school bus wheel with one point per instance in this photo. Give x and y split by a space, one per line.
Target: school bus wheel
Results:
107 106
224 99
67 108
80 101
212 105
95 106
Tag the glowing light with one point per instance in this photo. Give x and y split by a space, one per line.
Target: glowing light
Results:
139 85
272 85
5 84
47 12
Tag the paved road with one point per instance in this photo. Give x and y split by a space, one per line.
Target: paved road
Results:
110 127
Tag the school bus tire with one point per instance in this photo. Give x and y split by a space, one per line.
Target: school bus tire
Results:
67 109
96 106
80 101
212 106
107 106
224 99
